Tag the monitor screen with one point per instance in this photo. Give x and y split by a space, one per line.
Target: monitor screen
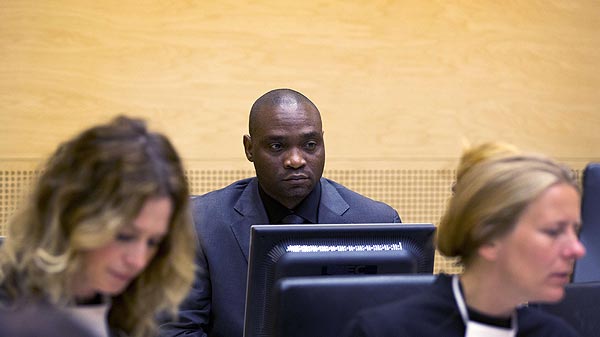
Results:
579 307
323 306
280 251
586 268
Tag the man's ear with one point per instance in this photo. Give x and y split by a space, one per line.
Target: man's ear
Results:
248 147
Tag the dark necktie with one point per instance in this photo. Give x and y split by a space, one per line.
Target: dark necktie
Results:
292 219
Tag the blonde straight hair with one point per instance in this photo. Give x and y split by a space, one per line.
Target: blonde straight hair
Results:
490 197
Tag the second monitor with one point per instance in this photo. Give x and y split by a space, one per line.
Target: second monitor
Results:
281 251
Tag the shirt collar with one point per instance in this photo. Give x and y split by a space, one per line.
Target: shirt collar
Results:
308 208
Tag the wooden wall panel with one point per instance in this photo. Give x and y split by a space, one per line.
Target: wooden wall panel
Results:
399 83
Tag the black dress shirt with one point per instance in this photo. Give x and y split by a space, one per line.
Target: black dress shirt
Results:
308 208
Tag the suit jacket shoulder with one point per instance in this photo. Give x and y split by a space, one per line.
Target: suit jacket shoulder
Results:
535 322
352 206
413 316
435 313
227 195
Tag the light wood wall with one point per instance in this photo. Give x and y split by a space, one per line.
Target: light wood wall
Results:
400 84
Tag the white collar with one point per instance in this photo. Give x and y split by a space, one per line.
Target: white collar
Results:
476 329
93 317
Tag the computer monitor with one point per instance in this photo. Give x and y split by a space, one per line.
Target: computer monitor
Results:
579 307
323 306
586 268
280 251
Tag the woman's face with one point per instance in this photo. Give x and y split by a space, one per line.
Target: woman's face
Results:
109 269
536 258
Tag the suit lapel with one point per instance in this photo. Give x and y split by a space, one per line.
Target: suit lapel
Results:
252 212
331 210
332 206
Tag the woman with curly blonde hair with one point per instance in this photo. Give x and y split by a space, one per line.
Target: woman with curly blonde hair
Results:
106 234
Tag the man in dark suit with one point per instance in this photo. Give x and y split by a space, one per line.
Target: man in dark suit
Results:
286 146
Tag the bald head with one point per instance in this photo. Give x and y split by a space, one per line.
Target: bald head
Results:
281 100
285 145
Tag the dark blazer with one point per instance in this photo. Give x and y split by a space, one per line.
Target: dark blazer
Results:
223 219
433 312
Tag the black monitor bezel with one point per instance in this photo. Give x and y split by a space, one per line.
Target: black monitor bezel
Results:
322 306
266 238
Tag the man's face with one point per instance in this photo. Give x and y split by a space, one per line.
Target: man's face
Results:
287 150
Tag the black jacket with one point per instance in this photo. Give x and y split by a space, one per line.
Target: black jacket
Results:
216 304
434 313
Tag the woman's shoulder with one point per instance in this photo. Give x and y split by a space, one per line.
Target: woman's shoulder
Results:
421 315
39 319
535 322
10 296
431 304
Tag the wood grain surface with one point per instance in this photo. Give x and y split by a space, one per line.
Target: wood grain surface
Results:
399 83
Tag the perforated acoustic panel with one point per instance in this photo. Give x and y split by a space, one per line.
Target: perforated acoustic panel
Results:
14 187
418 195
